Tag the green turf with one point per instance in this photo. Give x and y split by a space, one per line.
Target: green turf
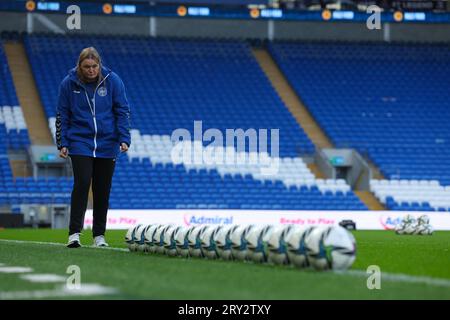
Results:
145 276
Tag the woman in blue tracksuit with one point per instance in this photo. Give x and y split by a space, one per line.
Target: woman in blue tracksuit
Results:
92 127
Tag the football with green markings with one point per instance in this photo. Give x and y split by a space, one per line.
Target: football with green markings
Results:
332 247
130 237
296 246
258 243
277 246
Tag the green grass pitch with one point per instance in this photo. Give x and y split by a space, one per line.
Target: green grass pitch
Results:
413 267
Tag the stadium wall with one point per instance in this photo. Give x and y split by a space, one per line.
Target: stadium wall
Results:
233 28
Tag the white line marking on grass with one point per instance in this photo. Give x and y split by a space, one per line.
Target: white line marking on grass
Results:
88 289
63 245
15 270
400 277
43 278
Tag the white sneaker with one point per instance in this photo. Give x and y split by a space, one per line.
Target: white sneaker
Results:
99 241
74 241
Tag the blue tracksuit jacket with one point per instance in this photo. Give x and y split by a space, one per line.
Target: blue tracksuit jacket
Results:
94 127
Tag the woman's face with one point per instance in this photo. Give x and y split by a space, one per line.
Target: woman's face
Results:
90 69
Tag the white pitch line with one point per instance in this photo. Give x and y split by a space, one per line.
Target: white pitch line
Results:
88 289
400 277
43 278
15 269
62 245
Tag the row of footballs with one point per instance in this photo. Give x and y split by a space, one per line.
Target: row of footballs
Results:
331 247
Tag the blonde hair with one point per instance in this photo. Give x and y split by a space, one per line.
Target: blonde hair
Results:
89 53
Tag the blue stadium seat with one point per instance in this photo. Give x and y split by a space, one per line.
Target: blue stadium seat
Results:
360 96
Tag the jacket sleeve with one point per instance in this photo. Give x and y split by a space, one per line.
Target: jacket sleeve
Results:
62 122
122 112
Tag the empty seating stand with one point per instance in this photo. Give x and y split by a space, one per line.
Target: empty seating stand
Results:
389 101
172 83
412 195
13 130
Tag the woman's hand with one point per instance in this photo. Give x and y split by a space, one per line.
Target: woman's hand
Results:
123 147
63 152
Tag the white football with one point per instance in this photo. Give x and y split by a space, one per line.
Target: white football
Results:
409 219
208 238
277 246
129 238
257 243
139 238
423 226
223 242
149 236
331 247
423 220
170 244
399 228
195 241
425 229
296 246
183 241
406 228
239 242
159 237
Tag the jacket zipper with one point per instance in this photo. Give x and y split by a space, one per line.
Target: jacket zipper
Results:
93 112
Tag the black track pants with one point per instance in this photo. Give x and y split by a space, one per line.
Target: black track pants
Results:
100 171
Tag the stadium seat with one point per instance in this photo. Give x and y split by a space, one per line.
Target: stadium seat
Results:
177 83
